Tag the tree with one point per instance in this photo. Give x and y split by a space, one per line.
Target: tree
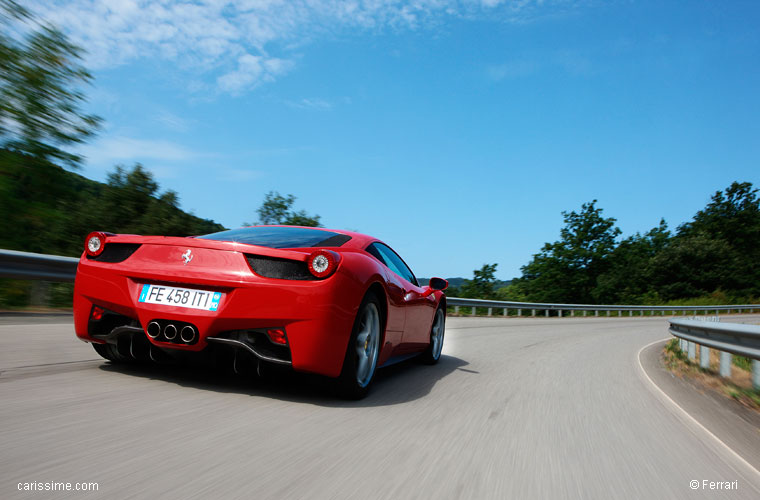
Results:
40 89
733 216
276 209
482 285
567 270
718 250
629 278
132 204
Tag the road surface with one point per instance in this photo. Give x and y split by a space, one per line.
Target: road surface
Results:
517 408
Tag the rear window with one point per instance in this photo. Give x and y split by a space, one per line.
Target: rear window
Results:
280 237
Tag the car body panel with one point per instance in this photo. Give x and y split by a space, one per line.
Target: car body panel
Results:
317 315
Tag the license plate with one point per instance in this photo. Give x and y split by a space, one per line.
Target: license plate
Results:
180 297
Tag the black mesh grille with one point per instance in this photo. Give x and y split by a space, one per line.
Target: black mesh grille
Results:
333 241
272 267
116 252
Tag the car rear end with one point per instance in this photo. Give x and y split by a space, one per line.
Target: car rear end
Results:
152 296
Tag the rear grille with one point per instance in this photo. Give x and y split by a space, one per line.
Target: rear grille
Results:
285 269
116 252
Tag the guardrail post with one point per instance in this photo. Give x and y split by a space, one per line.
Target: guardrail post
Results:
456 309
608 313
490 311
704 356
559 313
533 312
584 313
547 313
692 350
473 311
596 313
756 374
505 311
682 345
519 313
725 364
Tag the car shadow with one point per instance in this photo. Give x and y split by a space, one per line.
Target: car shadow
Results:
400 383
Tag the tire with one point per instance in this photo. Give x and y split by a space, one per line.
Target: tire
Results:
432 354
363 349
110 352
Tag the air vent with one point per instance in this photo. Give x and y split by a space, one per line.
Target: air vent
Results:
115 252
284 269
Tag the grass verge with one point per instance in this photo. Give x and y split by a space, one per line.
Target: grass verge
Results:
738 386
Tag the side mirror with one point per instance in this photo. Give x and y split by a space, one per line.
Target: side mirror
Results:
438 284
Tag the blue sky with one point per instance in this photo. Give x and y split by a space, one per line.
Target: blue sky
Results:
456 131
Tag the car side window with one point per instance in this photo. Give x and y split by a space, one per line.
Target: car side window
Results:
391 259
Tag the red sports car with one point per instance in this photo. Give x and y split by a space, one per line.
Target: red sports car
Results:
335 303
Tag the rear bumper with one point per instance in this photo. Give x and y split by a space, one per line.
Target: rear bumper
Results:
317 316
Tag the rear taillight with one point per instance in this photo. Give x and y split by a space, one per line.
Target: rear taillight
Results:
97 313
95 243
277 335
323 263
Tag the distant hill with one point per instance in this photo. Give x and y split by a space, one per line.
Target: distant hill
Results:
48 209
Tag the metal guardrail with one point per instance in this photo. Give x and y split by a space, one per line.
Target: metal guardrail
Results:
585 308
739 339
728 338
37 266
736 338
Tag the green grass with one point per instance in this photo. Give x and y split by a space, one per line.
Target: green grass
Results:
674 347
739 392
743 363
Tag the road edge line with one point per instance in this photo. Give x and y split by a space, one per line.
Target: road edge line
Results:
689 418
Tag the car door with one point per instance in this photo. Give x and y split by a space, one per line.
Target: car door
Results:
419 308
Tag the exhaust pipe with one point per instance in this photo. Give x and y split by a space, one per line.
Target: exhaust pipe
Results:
187 334
154 329
170 331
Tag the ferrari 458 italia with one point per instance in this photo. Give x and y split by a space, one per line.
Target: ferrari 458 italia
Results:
335 303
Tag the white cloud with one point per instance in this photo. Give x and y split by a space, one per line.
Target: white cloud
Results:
174 122
240 175
313 103
120 149
232 41
512 69
572 62
250 72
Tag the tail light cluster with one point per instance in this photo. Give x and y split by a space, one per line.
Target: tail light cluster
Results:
95 243
95 248
323 263
319 265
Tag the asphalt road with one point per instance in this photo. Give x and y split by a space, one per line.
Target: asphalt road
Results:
517 408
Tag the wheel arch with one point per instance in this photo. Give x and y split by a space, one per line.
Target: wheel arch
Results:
377 288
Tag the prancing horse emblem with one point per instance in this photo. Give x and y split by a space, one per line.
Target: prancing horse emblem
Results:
187 256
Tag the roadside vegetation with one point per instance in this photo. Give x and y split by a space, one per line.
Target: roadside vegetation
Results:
710 260
738 386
